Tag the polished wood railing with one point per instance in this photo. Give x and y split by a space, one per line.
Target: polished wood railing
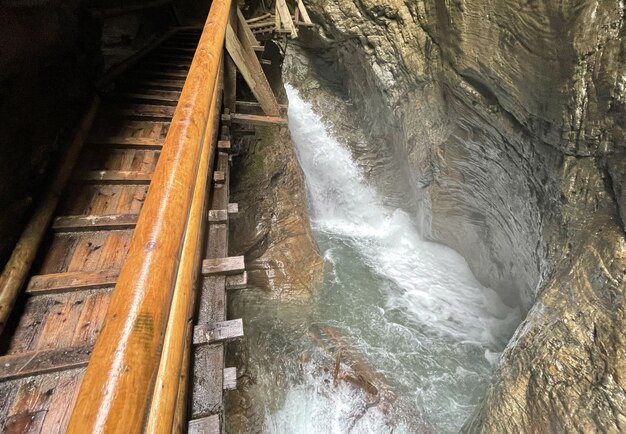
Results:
117 391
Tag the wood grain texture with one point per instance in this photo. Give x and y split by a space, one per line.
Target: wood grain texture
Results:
118 384
16 270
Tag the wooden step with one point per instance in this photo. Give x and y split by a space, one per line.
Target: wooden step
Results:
45 284
172 75
140 112
145 98
168 65
229 265
128 142
125 177
82 223
239 118
43 362
176 50
174 85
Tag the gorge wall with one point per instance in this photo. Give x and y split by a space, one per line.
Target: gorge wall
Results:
510 118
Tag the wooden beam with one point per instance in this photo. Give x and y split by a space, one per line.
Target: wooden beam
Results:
161 417
239 118
205 425
16 269
143 112
81 223
285 18
252 105
129 142
230 379
218 177
244 32
237 281
252 73
223 145
175 85
229 265
42 362
219 332
116 391
218 216
115 177
45 284
146 98
303 13
259 18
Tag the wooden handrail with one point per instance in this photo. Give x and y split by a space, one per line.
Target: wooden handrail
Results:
161 417
16 270
117 387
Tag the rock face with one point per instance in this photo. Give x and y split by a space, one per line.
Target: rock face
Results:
510 117
272 227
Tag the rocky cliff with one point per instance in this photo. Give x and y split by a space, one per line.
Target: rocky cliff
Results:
510 117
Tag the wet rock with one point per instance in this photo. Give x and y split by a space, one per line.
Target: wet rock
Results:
510 118
272 227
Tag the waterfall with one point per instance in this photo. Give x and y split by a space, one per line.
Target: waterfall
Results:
409 312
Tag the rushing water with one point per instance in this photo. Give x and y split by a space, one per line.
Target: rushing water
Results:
405 315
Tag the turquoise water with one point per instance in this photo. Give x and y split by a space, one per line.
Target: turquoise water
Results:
416 335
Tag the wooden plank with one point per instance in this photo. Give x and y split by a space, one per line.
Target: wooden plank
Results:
165 84
177 333
225 331
169 75
251 105
303 13
28 422
219 332
43 362
244 31
259 18
205 425
262 25
252 73
218 216
218 177
147 143
233 208
166 100
16 269
114 177
230 379
223 145
143 111
240 118
80 223
45 284
229 265
237 281
285 18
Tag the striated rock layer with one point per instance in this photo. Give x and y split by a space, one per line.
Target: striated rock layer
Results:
510 117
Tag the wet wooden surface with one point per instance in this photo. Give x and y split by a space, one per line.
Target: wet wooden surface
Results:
55 323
